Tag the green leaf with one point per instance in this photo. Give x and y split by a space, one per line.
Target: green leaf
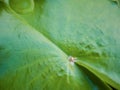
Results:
35 45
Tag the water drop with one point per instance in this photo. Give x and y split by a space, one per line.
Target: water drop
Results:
22 6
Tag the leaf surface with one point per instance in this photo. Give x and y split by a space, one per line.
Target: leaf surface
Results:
35 46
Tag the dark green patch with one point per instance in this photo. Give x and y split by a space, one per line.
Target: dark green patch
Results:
4 53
